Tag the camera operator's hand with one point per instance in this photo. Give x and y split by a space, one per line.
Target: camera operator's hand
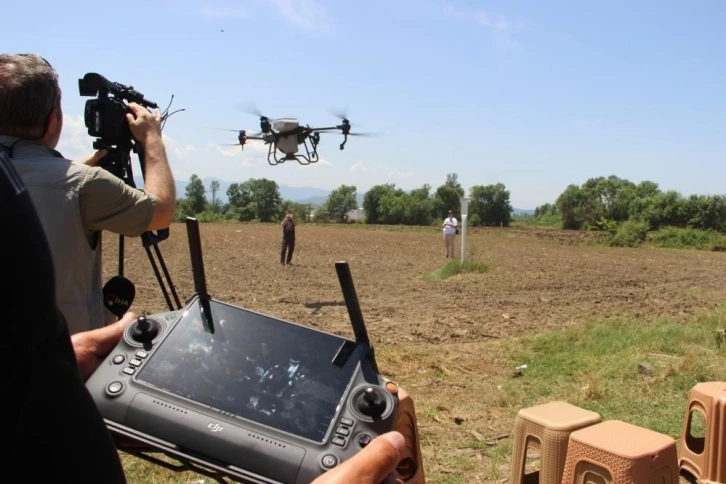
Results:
375 464
144 125
91 347
93 159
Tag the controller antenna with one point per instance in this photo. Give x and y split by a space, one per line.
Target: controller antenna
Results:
353 306
200 282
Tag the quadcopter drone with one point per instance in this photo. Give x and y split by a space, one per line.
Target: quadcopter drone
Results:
285 134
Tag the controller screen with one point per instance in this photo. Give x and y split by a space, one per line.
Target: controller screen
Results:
258 368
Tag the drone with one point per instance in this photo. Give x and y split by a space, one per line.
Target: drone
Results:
286 134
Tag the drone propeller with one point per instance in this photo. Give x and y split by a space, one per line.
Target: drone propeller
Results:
251 108
351 134
240 131
341 114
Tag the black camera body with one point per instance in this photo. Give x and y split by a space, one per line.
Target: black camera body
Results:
105 118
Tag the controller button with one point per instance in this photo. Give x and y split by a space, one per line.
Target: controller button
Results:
135 362
329 461
392 387
363 440
342 431
115 388
118 359
141 354
338 441
346 421
129 371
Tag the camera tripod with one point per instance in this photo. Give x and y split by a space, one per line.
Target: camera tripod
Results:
118 162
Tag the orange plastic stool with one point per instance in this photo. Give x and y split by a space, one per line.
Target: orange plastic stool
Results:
546 427
616 452
705 457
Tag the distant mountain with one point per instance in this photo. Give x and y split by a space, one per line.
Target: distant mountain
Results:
306 195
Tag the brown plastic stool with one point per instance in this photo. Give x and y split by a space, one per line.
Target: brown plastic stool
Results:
705 457
616 452
546 427
410 467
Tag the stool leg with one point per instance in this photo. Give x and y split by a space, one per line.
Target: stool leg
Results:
519 452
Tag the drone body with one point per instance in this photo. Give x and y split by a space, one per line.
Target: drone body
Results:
286 135
288 143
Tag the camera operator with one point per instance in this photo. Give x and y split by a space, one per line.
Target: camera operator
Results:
75 201
51 423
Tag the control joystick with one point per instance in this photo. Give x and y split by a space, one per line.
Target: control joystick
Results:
144 331
371 402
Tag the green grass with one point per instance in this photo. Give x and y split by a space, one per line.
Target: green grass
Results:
681 238
455 267
596 366
593 366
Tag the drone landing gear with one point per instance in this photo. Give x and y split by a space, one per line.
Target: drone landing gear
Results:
302 159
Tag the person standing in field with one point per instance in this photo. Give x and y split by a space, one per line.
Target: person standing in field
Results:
288 238
450 232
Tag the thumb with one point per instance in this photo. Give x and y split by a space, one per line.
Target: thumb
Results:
107 337
372 464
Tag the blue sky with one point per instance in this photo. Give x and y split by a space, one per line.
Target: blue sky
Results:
533 94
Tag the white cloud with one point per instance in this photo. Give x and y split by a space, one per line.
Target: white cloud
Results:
225 10
377 168
75 143
232 164
176 150
496 23
306 14
499 23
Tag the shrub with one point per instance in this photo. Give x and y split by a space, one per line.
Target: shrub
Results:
629 234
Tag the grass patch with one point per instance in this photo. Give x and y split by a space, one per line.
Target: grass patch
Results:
596 366
455 267
466 397
682 238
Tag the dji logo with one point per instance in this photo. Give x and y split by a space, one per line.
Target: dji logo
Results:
214 427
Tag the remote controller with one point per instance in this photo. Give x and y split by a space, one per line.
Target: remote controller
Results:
232 393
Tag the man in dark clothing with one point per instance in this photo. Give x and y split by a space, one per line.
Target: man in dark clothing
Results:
288 238
52 425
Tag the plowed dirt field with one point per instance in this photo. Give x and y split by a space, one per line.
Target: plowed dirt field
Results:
538 281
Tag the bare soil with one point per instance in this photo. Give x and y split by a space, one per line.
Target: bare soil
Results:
538 281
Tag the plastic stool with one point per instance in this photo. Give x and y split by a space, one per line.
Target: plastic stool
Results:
547 428
705 457
410 468
616 452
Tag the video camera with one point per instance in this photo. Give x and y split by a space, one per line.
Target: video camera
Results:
232 393
105 118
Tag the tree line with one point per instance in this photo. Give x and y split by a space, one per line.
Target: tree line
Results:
601 203
259 199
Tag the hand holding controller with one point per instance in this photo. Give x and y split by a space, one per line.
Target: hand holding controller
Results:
238 394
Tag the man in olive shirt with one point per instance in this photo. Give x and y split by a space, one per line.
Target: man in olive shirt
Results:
75 202
52 428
